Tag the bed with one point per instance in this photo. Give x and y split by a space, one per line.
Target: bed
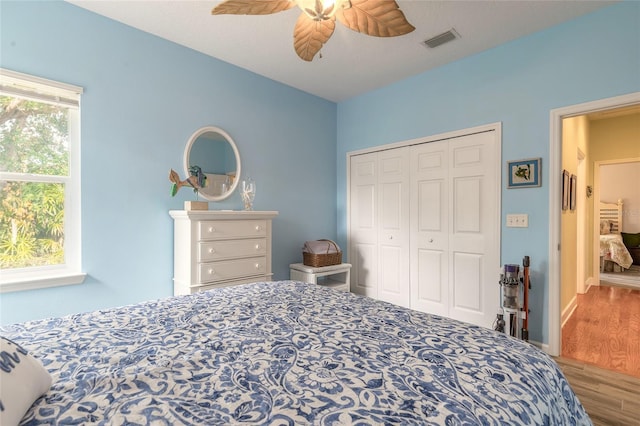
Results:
287 352
612 248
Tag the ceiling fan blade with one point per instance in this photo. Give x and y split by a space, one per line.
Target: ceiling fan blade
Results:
252 7
309 35
380 18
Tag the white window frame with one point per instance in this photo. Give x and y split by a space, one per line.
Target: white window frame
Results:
23 85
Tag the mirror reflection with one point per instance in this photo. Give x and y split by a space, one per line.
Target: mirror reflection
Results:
213 150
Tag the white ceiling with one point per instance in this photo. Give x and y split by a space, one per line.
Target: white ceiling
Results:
351 63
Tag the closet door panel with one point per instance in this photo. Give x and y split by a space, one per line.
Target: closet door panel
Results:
467 285
430 294
467 206
393 226
430 191
429 228
391 287
390 208
366 198
364 269
474 171
363 250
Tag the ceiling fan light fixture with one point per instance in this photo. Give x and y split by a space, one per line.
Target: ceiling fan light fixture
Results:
321 10
316 23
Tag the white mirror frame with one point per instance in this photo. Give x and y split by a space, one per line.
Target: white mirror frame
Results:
187 151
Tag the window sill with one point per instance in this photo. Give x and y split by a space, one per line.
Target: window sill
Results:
33 283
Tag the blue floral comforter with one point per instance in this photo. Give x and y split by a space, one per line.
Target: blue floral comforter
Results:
288 353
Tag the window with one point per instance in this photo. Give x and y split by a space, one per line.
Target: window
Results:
39 182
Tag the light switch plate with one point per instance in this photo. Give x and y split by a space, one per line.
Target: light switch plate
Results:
517 221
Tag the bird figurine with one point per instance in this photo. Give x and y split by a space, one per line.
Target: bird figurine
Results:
197 180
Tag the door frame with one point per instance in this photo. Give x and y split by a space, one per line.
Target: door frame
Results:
555 198
581 214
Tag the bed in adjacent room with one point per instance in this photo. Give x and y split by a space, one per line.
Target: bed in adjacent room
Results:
612 248
287 353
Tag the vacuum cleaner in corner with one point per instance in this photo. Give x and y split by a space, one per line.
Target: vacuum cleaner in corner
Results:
513 314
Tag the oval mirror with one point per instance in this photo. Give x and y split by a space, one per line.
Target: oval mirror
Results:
213 150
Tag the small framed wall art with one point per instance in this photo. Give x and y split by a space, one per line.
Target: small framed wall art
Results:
573 191
524 173
565 190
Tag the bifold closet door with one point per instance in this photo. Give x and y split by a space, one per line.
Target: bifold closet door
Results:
393 226
379 225
455 245
363 224
430 228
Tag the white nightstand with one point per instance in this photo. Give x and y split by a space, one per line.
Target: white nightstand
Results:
334 276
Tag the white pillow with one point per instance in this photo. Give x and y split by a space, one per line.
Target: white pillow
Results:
22 380
605 227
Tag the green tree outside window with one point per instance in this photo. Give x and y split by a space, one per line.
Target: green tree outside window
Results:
34 142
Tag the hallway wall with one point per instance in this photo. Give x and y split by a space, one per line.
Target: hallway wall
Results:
575 136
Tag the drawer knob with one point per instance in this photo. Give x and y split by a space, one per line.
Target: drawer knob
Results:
257 266
211 271
257 246
430 240
258 227
212 229
211 250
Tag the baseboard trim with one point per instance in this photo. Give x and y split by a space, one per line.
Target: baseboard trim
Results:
568 311
591 281
542 346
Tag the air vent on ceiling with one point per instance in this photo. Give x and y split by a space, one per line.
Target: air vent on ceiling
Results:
441 39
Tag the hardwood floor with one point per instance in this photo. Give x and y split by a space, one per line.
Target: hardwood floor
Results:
610 398
604 330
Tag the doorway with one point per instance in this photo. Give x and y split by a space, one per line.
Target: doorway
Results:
555 199
616 180
600 329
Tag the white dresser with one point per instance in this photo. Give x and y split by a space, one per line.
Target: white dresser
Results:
214 248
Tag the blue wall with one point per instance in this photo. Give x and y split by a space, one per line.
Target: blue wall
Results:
593 57
143 99
145 96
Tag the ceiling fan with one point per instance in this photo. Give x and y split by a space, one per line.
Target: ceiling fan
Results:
380 18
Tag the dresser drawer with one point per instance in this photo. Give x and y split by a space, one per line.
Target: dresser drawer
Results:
223 249
229 269
211 230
